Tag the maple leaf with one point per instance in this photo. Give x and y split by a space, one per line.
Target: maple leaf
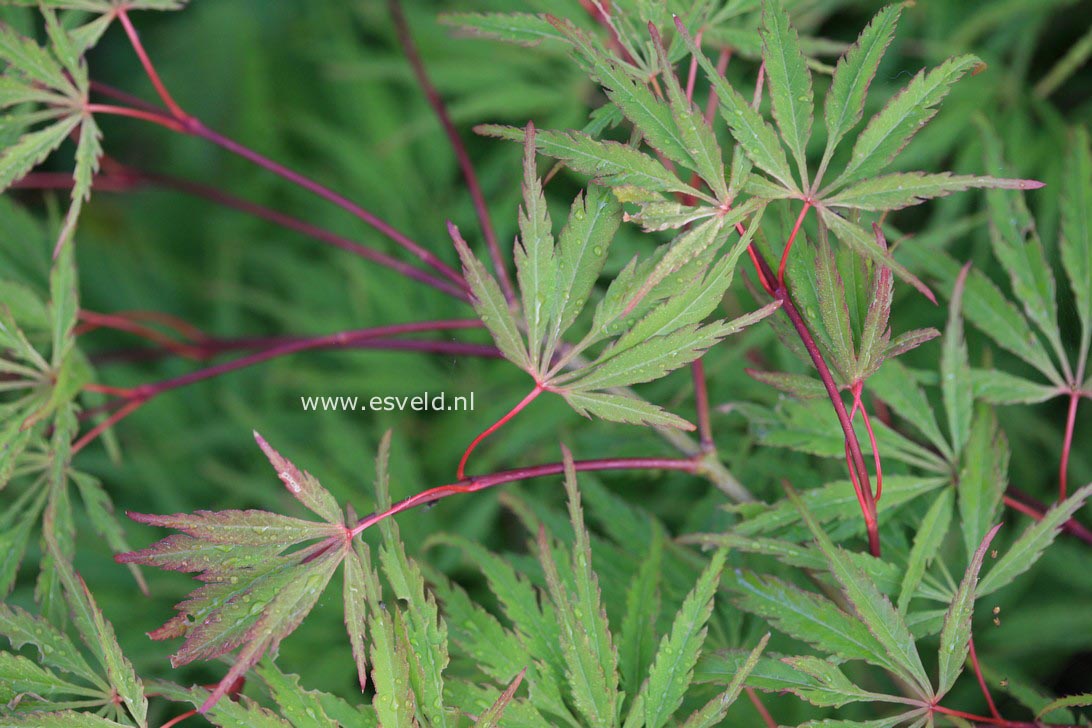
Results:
262 572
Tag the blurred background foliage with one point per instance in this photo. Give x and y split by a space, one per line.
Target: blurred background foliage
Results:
323 87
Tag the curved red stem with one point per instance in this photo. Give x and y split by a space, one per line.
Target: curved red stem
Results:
460 472
791 240
1067 443
146 62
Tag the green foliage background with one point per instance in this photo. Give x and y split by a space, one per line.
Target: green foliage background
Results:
323 87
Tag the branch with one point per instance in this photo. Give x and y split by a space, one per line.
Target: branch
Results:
405 37
474 484
137 396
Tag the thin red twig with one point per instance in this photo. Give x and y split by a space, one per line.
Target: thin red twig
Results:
154 117
153 76
214 347
473 484
1067 443
141 394
854 457
791 240
701 400
692 75
122 178
178 719
1023 503
93 320
460 472
200 130
982 680
194 127
405 37
1001 722
762 712
858 404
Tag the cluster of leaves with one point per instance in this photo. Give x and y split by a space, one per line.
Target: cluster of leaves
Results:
260 581
861 623
1033 335
648 323
44 372
643 637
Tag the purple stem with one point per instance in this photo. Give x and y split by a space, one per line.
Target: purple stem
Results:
194 127
198 129
124 178
212 347
405 37
779 292
342 339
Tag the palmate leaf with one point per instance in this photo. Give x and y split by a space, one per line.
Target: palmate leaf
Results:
892 127
32 148
254 594
58 75
672 668
756 137
54 648
64 678
591 660
655 308
104 13
873 608
99 636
